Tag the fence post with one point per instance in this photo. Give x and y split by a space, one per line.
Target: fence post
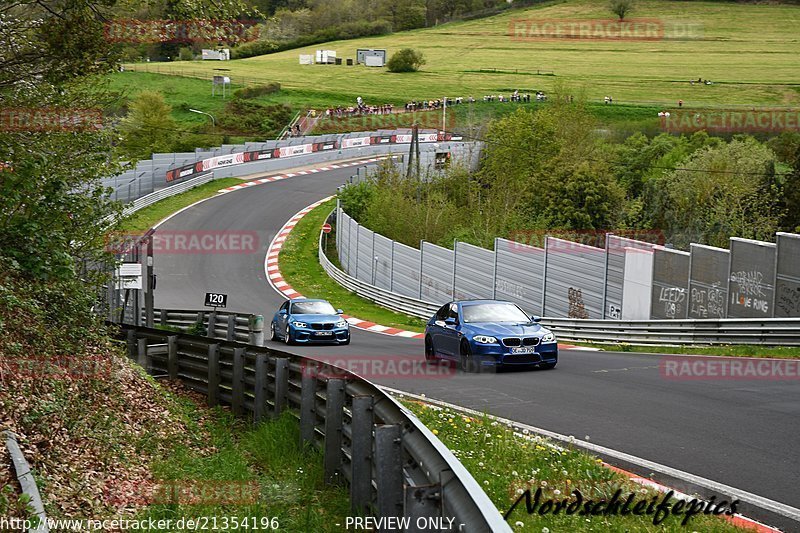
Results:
391 270
212 325
605 280
389 469
237 384
455 258
281 384
494 271
421 247
423 501
259 395
308 398
213 374
361 453
163 315
334 415
544 273
172 356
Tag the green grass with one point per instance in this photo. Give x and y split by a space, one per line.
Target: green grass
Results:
506 463
749 51
299 265
749 350
239 470
143 220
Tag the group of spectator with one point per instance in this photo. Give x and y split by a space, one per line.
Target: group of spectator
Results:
360 109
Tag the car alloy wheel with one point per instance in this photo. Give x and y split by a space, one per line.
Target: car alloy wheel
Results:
287 337
467 361
273 335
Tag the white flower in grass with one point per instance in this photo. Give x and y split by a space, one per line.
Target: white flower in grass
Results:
564 473
545 530
543 483
557 492
486 482
571 438
480 464
525 431
519 524
586 437
514 473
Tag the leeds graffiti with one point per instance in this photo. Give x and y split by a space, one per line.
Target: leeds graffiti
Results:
674 299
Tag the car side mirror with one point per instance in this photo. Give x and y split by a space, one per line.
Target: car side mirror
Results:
339 311
282 312
449 321
536 318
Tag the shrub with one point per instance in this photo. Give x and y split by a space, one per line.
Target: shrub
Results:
405 60
258 90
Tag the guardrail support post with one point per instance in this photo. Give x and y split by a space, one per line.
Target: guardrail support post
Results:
211 331
131 336
260 393
163 317
255 326
308 397
213 374
423 501
361 454
237 385
389 469
141 357
281 384
334 415
231 333
172 356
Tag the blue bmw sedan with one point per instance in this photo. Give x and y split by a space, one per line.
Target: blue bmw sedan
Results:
305 321
481 334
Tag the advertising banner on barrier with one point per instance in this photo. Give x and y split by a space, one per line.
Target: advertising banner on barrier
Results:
223 161
300 149
258 155
355 142
180 172
405 138
327 145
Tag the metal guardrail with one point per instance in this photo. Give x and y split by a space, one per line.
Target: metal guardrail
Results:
225 325
382 297
157 196
768 331
393 464
27 483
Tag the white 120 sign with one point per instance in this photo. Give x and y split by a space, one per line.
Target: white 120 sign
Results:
215 299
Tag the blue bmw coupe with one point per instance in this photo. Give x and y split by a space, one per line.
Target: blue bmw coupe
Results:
482 334
306 321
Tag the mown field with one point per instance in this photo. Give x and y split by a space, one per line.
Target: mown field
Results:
749 52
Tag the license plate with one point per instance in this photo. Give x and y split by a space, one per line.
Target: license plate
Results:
322 333
523 349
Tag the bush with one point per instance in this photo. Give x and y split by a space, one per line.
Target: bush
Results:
406 60
246 116
621 8
258 90
186 54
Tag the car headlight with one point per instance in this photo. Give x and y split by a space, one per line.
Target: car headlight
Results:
299 324
549 337
341 324
484 339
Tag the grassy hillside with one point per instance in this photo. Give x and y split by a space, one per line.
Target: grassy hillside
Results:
749 51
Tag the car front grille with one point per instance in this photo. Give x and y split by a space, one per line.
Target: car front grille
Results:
322 326
530 341
511 341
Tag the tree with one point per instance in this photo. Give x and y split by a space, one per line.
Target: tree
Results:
716 193
621 8
406 60
148 127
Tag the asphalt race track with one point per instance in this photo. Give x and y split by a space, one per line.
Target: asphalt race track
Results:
741 433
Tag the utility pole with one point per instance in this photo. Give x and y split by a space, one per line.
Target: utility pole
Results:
444 114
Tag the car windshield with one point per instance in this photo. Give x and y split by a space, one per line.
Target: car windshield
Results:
494 313
313 308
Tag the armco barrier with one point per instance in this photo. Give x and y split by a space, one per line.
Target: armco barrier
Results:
392 463
769 331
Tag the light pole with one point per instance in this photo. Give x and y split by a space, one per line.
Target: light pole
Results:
213 120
